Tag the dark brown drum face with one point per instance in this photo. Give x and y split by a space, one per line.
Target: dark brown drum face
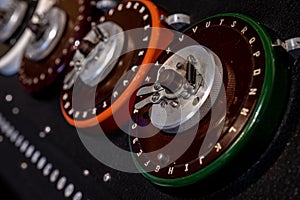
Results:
70 20
186 124
108 52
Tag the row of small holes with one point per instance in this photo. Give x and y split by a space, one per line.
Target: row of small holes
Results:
36 157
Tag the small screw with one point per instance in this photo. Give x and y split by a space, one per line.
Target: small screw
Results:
164 159
174 104
9 98
179 65
186 86
77 65
155 98
86 172
163 104
42 134
196 101
15 110
191 90
157 86
47 129
24 165
185 95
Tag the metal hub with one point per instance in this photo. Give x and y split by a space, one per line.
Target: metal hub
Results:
48 29
97 55
187 83
12 13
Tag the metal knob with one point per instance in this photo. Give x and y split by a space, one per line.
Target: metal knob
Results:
86 47
170 80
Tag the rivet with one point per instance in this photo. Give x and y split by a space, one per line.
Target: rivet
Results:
157 86
163 104
47 129
155 98
8 98
86 172
24 165
162 158
15 110
174 104
196 101
179 65
42 135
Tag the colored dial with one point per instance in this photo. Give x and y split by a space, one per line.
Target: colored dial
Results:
113 49
52 46
216 89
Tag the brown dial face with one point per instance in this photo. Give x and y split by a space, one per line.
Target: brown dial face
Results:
168 154
35 75
126 16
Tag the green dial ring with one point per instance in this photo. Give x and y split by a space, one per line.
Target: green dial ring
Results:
261 125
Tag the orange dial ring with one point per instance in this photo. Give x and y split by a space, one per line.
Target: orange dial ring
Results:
103 112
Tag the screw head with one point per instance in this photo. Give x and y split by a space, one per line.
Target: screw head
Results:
175 104
163 104
179 65
77 65
157 86
185 95
196 101
162 158
8 98
155 98
86 172
191 90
